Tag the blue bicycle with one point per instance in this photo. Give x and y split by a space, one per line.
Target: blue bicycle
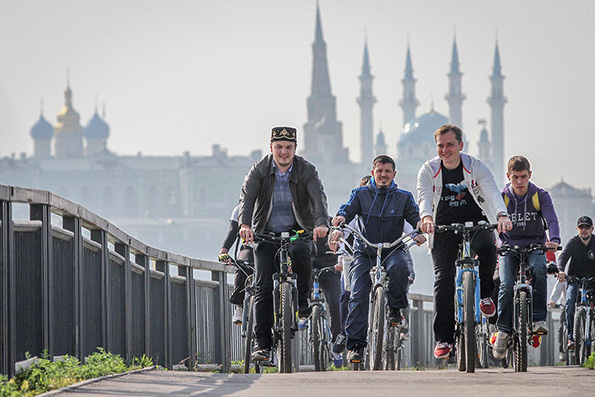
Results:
467 296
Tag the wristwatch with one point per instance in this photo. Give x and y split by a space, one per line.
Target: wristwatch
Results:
502 215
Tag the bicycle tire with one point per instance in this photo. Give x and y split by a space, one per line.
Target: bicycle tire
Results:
286 312
481 337
580 348
520 359
316 338
399 356
460 351
325 343
469 322
249 338
590 348
389 349
377 329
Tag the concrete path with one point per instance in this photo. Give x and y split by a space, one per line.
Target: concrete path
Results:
538 381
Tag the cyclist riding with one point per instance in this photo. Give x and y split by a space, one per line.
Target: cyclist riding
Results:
532 213
246 254
456 188
382 209
580 251
281 192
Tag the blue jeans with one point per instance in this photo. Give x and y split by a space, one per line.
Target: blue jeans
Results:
571 293
509 266
356 328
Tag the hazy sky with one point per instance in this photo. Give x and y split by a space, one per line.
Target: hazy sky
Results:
183 75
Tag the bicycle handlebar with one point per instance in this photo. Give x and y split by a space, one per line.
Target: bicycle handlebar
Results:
466 227
576 279
330 269
532 248
283 237
357 234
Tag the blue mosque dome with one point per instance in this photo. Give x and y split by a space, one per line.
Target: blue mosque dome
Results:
96 128
42 129
421 129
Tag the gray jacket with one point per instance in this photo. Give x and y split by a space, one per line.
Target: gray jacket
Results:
308 198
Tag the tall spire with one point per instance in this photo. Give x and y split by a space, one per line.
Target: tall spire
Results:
366 101
455 96
409 102
323 134
497 100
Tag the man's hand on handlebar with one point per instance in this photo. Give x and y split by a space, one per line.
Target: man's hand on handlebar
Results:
334 238
426 225
246 234
224 256
338 220
504 224
319 232
552 245
420 238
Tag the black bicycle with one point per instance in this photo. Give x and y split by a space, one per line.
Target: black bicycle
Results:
584 319
248 319
285 300
320 332
522 332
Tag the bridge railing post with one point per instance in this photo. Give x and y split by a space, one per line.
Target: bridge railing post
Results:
7 305
222 323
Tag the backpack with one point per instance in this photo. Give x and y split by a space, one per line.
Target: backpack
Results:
535 200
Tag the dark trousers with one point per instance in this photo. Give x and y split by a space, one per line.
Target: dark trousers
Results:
267 264
444 255
361 284
344 307
330 283
242 272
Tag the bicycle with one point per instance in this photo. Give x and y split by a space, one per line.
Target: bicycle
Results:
248 320
584 319
285 300
522 332
381 345
320 332
467 296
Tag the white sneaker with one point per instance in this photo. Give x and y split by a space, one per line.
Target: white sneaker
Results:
238 315
501 345
540 327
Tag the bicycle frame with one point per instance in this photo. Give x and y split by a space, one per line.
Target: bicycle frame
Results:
585 299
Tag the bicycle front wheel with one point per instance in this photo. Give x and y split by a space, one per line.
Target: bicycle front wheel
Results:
482 335
317 338
520 344
376 330
580 349
469 321
286 312
390 348
249 337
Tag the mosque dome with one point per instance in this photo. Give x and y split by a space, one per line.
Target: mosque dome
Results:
42 129
421 129
96 128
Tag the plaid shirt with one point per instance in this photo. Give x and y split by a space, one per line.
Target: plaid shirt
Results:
282 218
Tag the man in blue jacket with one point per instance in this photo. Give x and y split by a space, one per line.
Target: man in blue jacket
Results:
382 209
532 214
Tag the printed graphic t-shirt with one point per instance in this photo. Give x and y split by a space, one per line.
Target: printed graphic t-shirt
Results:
456 203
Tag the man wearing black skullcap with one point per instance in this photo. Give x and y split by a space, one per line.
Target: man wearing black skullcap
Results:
577 259
282 192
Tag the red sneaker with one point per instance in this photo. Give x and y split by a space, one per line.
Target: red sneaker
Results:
487 307
442 350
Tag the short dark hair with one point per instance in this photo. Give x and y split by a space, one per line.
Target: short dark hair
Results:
384 159
519 163
449 127
365 180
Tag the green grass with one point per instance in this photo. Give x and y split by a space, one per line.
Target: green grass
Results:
590 363
45 375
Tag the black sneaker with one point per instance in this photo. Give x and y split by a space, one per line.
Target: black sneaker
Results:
305 311
261 355
394 317
356 354
339 344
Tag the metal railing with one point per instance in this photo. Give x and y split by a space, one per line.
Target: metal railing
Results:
71 282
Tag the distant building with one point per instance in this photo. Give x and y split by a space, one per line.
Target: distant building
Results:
570 204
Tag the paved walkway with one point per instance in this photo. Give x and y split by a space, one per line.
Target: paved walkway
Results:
538 381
